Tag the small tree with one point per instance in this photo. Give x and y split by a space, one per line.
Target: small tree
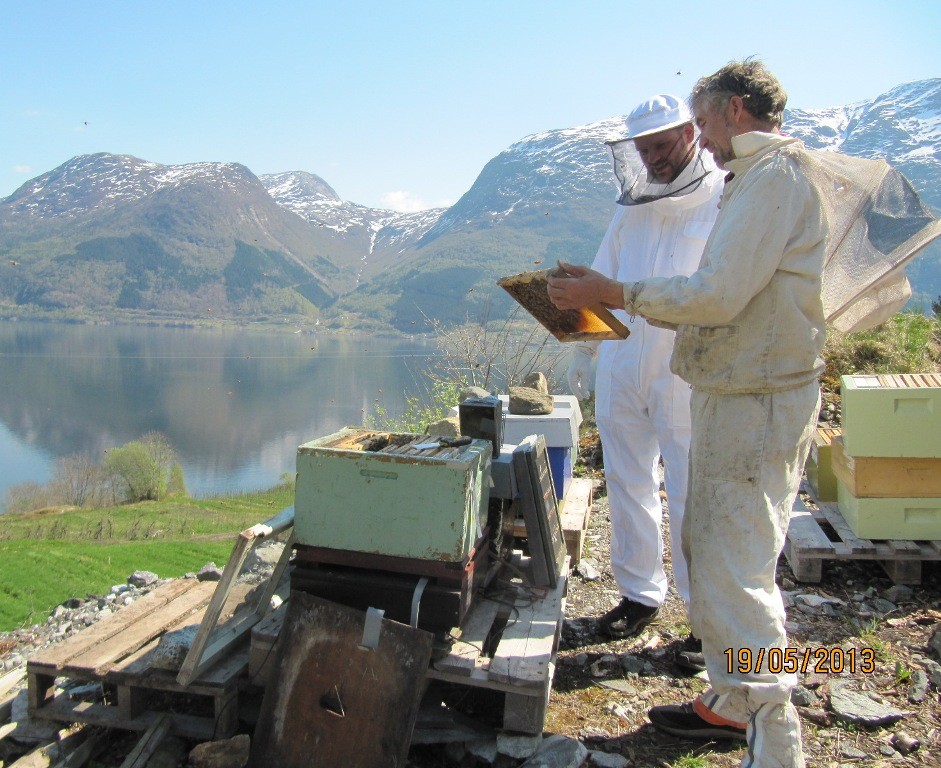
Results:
176 486
78 481
136 472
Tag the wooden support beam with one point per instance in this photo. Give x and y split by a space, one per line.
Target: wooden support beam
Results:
148 743
201 655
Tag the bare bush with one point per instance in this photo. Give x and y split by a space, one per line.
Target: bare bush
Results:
79 481
25 497
496 355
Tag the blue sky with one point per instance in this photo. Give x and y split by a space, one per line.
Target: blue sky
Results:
401 104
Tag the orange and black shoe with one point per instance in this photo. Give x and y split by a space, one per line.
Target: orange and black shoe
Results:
694 720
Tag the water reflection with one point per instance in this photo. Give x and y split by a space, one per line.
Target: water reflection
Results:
235 404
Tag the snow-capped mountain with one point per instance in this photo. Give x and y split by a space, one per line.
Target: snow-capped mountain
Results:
108 233
903 126
539 173
102 181
379 234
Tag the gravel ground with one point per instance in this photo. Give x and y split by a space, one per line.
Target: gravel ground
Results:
855 606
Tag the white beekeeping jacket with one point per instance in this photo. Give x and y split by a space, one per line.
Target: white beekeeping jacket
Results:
662 238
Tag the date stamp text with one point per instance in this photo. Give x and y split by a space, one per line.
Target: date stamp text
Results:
824 659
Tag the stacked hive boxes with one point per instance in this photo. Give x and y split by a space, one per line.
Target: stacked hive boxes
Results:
888 461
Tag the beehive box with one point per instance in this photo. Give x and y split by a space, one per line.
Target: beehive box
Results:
355 493
891 518
892 415
819 467
886 477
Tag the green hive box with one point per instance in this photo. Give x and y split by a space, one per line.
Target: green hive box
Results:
414 506
819 466
892 415
880 518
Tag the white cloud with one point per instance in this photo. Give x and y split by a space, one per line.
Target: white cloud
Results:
22 169
406 202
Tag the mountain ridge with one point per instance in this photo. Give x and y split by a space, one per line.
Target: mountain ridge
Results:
106 235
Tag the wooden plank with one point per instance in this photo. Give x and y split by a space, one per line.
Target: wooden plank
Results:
149 743
7 683
805 533
99 658
529 643
900 558
88 749
575 514
79 643
903 571
47 754
195 662
65 710
140 673
527 714
805 568
466 652
850 540
10 680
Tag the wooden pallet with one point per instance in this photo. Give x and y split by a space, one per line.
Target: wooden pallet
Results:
521 660
808 545
574 511
504 646
117 652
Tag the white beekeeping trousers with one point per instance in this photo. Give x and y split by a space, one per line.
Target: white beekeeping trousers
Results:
642 411
746 458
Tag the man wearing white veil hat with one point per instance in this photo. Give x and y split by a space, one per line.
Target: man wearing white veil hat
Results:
665 214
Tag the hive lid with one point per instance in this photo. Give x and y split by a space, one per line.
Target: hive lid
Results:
595 323
894 381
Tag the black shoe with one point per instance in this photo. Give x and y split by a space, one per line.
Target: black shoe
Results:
627 619
681 720
689 655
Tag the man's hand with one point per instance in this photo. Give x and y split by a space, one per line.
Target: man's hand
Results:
582 287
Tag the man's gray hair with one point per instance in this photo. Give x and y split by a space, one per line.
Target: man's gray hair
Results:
760 91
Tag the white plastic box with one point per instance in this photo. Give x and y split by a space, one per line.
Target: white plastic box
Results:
560 427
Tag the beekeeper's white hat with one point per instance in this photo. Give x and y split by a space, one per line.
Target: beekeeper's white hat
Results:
659 113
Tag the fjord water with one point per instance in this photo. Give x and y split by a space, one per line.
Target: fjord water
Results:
235 404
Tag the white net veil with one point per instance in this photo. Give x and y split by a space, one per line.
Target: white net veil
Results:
636 185
877 225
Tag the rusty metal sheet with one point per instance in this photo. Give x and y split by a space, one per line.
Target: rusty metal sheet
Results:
330 701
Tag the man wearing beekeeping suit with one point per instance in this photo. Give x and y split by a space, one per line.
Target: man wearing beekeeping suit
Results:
751 327
659 229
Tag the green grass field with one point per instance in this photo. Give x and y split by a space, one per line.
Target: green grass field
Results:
46 557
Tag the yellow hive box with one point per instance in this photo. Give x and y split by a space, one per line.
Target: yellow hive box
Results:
886 477
892 415
818 467
871 518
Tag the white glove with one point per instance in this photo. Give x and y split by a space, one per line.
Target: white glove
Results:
579 372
